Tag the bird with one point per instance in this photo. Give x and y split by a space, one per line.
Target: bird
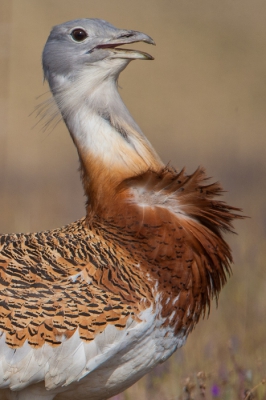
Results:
86 310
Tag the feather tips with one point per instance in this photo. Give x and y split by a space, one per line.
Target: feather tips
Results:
174 224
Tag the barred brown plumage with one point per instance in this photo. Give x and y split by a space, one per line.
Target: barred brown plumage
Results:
87 309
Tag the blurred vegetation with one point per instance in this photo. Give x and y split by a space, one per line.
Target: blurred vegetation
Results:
201 102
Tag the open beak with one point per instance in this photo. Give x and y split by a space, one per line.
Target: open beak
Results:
126 37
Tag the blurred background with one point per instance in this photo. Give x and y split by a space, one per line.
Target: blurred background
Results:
201 102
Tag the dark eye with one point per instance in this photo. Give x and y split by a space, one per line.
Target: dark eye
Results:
79 35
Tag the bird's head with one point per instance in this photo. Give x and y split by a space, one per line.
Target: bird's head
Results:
79 44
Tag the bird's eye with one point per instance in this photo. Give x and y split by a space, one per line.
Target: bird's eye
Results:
79 35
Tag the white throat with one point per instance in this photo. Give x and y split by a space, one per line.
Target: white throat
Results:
99 122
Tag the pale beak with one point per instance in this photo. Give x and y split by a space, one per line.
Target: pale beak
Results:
126 37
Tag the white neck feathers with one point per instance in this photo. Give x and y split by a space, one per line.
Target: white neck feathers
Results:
107 138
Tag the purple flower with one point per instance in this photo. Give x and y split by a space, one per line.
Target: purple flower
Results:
215 391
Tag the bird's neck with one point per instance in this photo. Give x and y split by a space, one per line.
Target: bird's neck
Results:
110 144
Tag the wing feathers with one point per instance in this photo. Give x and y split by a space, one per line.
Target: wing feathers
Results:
73 298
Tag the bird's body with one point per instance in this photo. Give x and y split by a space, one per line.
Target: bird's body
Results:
88 309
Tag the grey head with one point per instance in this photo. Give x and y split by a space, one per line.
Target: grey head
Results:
81 43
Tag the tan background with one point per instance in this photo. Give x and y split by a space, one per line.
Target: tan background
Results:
201 102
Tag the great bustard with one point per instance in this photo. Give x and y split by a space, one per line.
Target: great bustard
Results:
88 309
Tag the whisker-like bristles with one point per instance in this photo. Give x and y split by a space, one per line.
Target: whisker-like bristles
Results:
47 114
